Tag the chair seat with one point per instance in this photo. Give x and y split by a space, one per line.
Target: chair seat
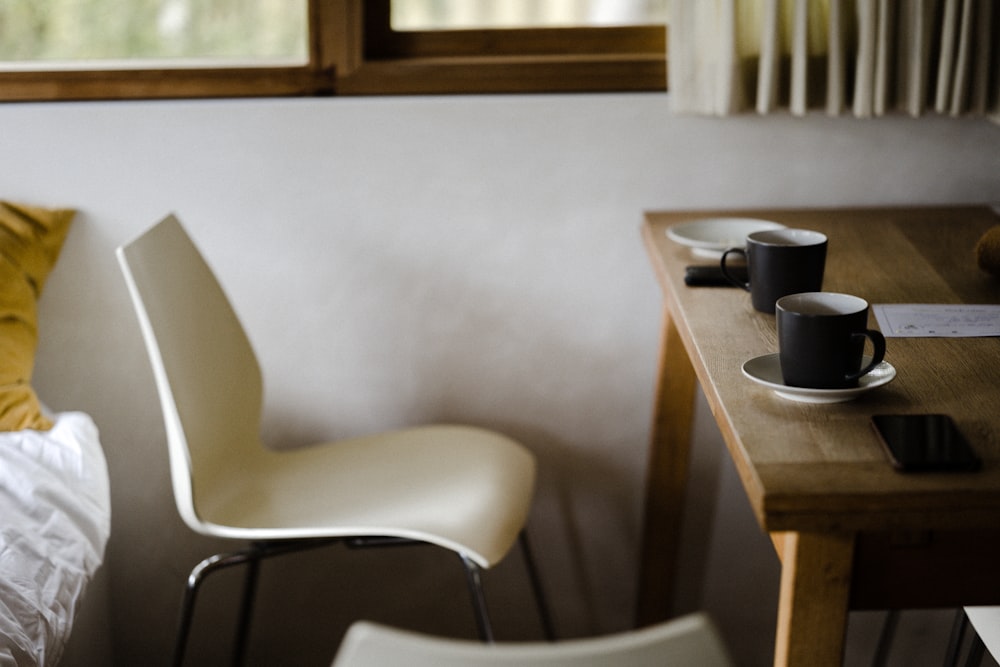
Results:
463 488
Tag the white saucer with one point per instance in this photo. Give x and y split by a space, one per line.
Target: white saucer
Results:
710 237
766 370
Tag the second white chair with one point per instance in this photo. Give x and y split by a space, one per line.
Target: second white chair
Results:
689 641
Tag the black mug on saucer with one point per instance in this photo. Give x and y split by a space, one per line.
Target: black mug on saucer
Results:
821 340
779 262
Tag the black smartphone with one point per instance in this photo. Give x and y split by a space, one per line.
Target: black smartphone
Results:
710 275
925 443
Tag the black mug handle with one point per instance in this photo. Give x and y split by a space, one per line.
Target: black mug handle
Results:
745 284
878 343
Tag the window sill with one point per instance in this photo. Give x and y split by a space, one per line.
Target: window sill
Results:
43 86
506 74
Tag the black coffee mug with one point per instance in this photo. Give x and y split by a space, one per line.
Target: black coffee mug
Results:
821 340
779 262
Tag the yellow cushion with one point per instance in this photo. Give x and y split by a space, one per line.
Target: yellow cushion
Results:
30 241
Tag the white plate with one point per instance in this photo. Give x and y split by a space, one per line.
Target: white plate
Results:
710 237
766 370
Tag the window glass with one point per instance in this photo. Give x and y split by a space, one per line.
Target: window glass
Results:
39 31
412 15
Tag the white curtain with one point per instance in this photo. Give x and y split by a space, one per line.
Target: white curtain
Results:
865 57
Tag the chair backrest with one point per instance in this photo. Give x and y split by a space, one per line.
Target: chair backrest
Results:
207 376
689 641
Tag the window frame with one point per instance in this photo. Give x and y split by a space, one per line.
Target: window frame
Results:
352 50
499 60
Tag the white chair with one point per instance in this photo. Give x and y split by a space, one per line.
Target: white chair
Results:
387 488
689 641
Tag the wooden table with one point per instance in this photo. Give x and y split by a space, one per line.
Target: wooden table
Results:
851 533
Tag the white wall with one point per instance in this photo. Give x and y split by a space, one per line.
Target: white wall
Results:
401 260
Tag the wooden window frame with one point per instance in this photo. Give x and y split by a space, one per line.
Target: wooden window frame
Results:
383 61
353 51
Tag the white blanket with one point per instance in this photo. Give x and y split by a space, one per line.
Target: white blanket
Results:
55 518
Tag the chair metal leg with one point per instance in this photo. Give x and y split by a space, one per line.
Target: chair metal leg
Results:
257 551
473 576
536 587
194 581
246 608
187 609
976 652
252 556
885 638
955 640
976 648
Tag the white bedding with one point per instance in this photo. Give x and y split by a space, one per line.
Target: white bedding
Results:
55 518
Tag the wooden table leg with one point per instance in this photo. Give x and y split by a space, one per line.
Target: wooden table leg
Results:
815 591
666 477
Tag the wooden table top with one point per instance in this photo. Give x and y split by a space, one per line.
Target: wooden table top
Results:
820 467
